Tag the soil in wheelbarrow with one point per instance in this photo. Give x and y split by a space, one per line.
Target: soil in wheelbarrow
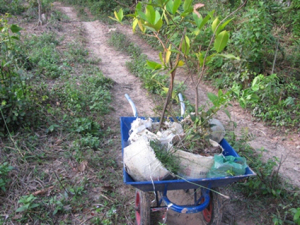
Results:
113 66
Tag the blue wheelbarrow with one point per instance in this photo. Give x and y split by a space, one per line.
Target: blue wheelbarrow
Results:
206 198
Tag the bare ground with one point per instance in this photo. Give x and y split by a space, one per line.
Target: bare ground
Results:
283 146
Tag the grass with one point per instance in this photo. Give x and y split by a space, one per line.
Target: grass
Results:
62 167
267 193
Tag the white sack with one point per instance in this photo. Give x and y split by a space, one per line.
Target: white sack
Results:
141 163
194 166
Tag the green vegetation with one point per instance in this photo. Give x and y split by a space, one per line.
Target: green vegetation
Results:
100 9
58 154
4 180
165 156
12 7
265 37
267 188
56 147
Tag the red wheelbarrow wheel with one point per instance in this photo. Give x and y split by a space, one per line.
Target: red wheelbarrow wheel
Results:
212 214
142 208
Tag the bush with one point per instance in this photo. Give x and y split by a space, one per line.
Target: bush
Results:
15 96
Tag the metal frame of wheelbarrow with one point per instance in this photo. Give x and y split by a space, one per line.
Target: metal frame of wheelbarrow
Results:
201 203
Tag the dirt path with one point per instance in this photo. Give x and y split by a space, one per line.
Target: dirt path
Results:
112 65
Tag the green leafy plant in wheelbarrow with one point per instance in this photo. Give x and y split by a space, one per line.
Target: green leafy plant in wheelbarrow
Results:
189 40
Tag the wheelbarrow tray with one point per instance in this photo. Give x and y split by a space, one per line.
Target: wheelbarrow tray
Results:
178 183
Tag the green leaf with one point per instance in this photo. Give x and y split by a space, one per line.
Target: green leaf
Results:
22 208
220 93
134 24
211 13
297 214
165 90
169 6
221 27
229 56
140 12
204 21
180 63
154 65
120 15
162 2
209 58
15 29
187 5
141 26
196 31
176 5
227 113
157 17
255 84
242 102
212 97
197 19
150 14
221 41
186 45
15 37
215 24
138 7
168 54
34 206
200 58
161 58
158 25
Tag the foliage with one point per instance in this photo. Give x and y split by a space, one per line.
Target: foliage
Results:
267 186
254 39
15 94
89 93
15 7
28 204
270 100
5 168
101 9
193 140
70 129
166 156
183 25
266 41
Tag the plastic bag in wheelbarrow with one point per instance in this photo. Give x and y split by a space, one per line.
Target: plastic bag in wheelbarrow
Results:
225 166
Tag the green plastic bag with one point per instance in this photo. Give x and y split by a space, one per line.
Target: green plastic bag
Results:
225 166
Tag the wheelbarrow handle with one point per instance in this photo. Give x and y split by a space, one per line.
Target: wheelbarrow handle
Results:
182 105
188 208
135 114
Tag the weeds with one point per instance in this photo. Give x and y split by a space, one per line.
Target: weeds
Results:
57 156
267 186
5 168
